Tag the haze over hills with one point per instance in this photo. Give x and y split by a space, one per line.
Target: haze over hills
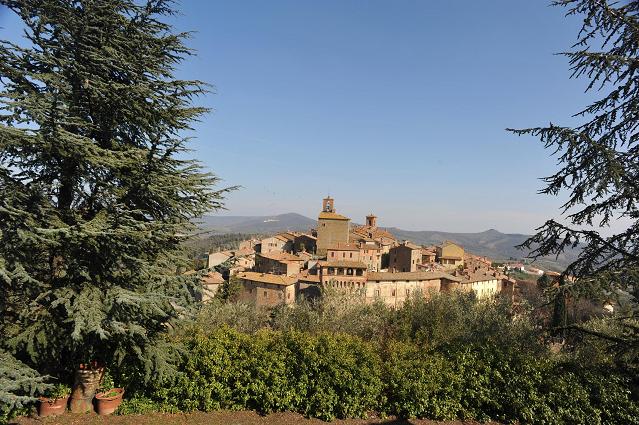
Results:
257 224
490 243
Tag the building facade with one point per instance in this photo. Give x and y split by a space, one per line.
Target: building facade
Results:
331 227
279 263
267 290
405 257
450 255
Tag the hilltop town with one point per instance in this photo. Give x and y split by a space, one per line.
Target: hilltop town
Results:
364 260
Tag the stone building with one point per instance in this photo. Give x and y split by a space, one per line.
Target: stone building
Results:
331 227
252 244
450 255
211 284
305 243
343 251
276 243
342 273
429 255
279 263
370 253
217 258
405 257
395 288
267 290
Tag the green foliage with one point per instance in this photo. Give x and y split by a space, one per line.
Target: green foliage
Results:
448 357
598 161
142 406
230 290
544 282
334 312
19 384
106 384
96 194
323 375
58 391
216 313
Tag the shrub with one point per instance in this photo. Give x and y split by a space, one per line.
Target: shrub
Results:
325 375
421 385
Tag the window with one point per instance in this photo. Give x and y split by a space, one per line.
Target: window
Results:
351 255
377 292
288 296
393 293
265 294
407 292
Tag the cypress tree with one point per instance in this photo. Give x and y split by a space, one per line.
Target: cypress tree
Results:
96 190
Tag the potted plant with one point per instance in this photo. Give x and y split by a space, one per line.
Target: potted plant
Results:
108 398
55 400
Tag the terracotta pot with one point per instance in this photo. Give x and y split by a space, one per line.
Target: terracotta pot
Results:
87 381
52 406
105 405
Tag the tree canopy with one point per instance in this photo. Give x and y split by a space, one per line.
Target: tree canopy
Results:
599 163
97 192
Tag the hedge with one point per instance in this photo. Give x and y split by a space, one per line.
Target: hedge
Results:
331 376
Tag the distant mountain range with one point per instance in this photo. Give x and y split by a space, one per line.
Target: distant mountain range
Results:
490 243
261 225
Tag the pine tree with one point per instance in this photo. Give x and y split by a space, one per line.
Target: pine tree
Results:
599 165
18 385
96 193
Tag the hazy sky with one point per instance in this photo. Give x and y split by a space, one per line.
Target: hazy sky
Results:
392 107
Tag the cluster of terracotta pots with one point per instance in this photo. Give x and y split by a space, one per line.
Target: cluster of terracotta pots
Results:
85 396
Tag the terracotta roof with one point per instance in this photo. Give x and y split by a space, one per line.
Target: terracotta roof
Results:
243 252
212 278
410 245
379 276
228 254
274 279
306 235
376 232
343 263
281 256
331 216
341 246
305 276
478 277
287 236
446 243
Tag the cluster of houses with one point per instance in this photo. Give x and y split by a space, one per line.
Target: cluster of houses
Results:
364 260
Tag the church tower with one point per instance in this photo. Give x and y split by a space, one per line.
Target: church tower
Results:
371 220
332 228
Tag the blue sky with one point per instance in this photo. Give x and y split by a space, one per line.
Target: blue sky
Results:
393 107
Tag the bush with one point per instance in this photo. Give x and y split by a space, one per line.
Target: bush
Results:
420 385
324 376
450 357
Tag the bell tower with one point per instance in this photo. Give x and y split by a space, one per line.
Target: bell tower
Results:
328 204
371 220
331 227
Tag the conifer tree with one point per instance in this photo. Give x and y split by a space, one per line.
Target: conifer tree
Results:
599 166
96 191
